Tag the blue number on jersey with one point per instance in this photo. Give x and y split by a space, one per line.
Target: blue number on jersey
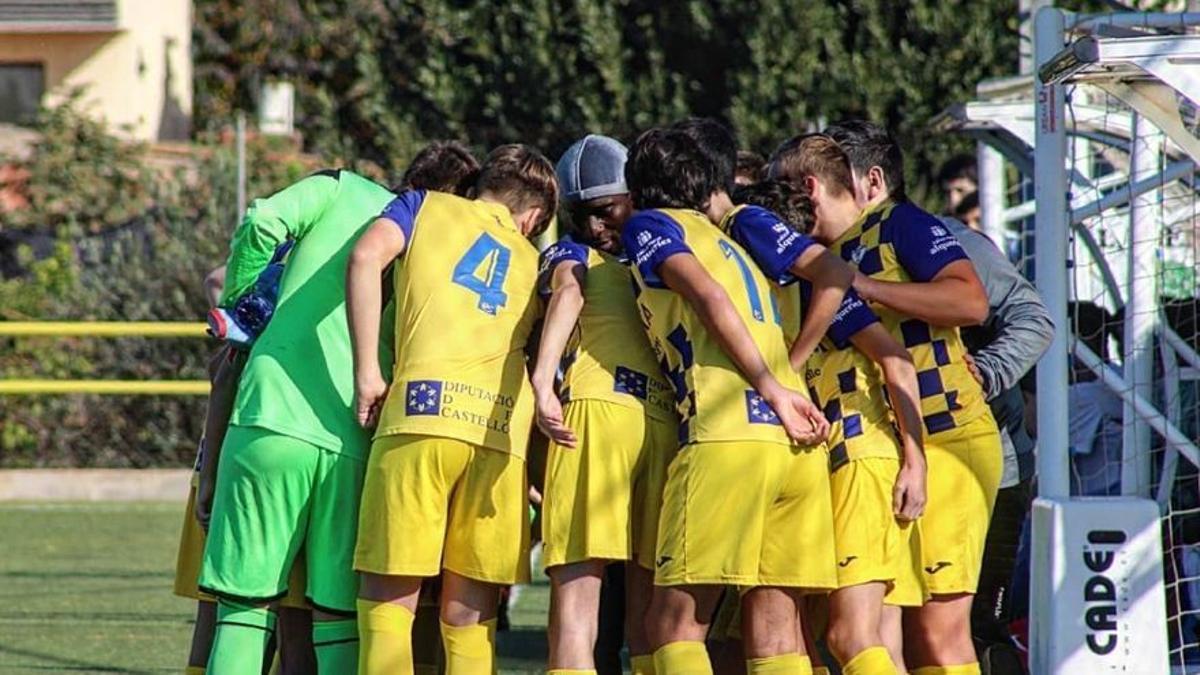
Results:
751 288
488 282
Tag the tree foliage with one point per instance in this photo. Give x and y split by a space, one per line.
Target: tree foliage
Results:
375 78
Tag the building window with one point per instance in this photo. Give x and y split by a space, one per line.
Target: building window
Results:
21 88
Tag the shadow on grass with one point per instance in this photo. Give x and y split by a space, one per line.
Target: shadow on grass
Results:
50 662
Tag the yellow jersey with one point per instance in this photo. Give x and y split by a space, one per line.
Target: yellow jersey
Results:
608 357
714 400
900 242
846 384
466 303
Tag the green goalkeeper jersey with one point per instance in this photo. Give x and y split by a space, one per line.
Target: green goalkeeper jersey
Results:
299 379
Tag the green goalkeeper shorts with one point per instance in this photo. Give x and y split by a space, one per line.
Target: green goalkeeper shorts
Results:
278 497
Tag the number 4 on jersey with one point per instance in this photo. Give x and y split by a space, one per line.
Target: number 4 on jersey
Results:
482 270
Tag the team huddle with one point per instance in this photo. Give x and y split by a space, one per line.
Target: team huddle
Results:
755 396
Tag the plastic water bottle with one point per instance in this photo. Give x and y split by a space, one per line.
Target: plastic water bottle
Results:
241 325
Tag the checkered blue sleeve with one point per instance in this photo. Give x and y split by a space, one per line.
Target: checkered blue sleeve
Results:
403 211
772 243
852 315
923 244
649 238
561 251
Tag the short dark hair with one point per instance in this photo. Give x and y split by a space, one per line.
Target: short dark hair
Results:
958 166
750 166
788 201
867 145
667 170
812 155
443 166
718 142
522 178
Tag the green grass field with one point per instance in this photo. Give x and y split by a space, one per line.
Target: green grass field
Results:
87 588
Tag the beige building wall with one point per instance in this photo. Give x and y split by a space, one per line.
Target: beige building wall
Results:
138 78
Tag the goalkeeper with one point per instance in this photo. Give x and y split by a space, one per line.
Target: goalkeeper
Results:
291 466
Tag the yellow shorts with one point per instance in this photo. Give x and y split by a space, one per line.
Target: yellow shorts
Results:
589 508
191 555
964 475
747 514
871 544
432 503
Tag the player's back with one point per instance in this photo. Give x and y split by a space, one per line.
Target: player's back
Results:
608 357
892 242
714 400
466 305
295 381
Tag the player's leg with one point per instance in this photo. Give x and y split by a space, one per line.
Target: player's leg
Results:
661 443
587 522
332 585
487 547
574 614
964 469
264 484
891 630
710 536
427 630
802 560
677 624
401 528
854 639
293 636
202 636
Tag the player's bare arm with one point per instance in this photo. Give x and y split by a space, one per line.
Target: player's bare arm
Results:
900 378
562 313
380 245
953 297
830 278
683 274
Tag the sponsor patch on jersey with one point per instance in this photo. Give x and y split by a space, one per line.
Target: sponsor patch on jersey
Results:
629 381
424 397
758 411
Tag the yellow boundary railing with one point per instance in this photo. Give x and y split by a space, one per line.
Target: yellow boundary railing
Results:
104 329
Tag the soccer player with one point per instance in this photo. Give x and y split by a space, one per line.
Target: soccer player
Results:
917 278
746 501
445 487
878 473
616 433
290 471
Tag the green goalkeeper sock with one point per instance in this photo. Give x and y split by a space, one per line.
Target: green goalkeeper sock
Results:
336 643
241 638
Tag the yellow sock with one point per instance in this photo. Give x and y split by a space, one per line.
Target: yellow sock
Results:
682 658
870 661
385 638
568 671
470 650
820 670
491 627
193 670
959 669
793 664
643 664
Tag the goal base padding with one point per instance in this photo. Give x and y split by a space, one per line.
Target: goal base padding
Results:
1097 600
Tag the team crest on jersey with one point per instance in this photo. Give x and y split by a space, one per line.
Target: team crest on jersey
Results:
857 255
938 231
424 397
644 238
758 411
627 381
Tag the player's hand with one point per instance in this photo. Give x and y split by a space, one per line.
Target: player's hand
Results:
369 393
973 367
908 495
550 420
795 417
864 286
205 489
